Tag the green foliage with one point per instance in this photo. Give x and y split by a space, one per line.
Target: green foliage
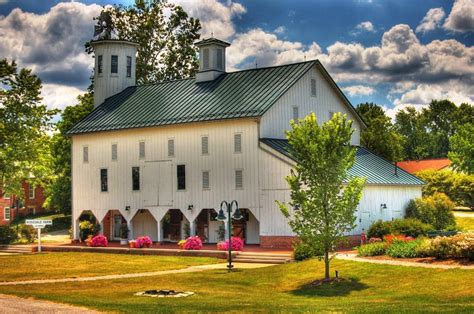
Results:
462 149
372 249
409 227
379 229
165 35
28 233
409 125
303 251
87 228
62 222
59 188
435 210
406 249
7 234
380 135
24 123
327 205
458 246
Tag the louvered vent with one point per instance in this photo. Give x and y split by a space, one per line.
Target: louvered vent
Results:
205 145
205 179
170 148
114 151
237 143
239 179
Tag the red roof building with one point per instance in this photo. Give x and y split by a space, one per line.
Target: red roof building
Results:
413 166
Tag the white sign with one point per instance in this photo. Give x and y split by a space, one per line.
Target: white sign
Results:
39 224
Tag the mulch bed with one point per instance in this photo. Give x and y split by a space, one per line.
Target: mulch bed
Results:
426 260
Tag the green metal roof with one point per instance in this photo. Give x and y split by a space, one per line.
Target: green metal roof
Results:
376 169
248 93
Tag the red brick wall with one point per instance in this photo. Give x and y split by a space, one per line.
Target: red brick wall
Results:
36 203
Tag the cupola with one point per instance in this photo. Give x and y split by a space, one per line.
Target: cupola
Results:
211 59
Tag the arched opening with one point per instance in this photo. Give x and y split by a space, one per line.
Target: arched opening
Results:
208 228
175 226
87 224
247 228
144 224
112 224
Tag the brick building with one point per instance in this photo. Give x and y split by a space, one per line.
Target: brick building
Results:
32 203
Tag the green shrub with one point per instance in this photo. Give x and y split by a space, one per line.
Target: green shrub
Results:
87 228
60 223
303 251
7 235
410 226
379 229
372 249
435 210
406 249
458 246
28 233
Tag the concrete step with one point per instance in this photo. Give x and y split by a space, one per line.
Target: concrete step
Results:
15 249
265 255
261 261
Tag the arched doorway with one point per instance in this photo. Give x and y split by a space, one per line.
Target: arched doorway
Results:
247 228
144 224
208 228
112 224
174 226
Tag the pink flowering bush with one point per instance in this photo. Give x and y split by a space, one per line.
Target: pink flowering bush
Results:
193 243
143 242
99 241
237 244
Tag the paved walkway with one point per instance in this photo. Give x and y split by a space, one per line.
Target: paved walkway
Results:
191 269
355 258
464 214
12 304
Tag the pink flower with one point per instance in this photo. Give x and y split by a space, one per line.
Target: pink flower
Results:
237 244
142 242
99 241
193 243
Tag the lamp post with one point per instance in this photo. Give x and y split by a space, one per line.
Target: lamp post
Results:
222 217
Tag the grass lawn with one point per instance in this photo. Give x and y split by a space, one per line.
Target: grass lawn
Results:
64 265
465 223
368 288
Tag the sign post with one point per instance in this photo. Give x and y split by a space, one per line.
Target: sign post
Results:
39 224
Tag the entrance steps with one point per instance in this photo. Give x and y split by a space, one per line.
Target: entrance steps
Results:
20 249
264 258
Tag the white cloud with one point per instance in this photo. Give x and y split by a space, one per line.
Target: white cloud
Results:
359 90
461 18
59 96
431 21
424 93
392 112
280 30
365 26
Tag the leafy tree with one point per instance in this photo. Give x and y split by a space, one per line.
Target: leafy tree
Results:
380 135
24 141
165 35
319 183
462 148
59 191
409 124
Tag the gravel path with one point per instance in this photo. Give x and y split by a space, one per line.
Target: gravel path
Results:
137 275
354 257
12 304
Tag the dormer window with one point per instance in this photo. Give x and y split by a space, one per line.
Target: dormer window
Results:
129 66
114 65
205 59
99 64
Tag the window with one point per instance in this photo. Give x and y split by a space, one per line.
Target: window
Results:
313 87
296 114
129 66
114 151
237 143
141 150
239 179
205 180
171 148
104 187
31 191
205 145
181 175
205 59
114 65
99 64
85 154
219 59
6 196
31 211
6 213
136 178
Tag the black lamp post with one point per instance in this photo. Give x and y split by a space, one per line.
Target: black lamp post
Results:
222 217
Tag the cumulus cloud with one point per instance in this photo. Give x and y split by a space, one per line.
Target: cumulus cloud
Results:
461 18
59 96
359 90
431 21
280 30
366 26
216 17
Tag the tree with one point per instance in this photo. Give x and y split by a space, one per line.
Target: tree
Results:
409 124
59 190
327 198
462 148
24 127
165 35
380 135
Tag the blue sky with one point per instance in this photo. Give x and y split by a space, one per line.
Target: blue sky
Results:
395 53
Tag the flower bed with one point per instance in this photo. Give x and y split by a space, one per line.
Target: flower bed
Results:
97 241
143 242
193 243
237 244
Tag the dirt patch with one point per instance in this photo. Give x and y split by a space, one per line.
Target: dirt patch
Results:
425 260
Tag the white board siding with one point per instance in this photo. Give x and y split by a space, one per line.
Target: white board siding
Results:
221 162
277 118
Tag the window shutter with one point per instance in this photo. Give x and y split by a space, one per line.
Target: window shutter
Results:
170 148
239 179
313 87
114 151
141 150
205 145
296 114
85 154
205 179
205 59
237 143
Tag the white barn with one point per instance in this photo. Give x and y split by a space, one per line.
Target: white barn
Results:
162 157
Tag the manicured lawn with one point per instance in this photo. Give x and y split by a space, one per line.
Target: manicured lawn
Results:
64 265
282 288
465 223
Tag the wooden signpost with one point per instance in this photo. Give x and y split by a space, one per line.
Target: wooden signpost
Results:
39 224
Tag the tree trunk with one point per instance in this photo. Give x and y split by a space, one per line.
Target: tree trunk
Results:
326 266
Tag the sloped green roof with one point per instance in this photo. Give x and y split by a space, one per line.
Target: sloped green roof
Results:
241 94
376 169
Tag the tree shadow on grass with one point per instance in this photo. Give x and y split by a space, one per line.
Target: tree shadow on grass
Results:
342 287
